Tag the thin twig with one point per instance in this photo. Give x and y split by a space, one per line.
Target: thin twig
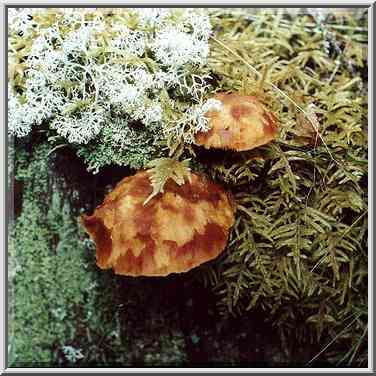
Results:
333 340
335 70
358 345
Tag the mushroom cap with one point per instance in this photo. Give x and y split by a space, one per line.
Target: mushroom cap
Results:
174 232
242 124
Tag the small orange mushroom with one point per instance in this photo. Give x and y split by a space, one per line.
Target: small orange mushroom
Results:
243 123
174 232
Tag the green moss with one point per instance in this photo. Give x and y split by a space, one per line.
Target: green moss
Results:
135 150
298 248
54 290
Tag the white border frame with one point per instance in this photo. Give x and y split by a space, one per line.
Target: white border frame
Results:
145 3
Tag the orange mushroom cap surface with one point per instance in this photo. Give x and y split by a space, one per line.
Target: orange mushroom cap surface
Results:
174 232
243 123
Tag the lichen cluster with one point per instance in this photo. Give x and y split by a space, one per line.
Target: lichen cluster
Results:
123 82
131 86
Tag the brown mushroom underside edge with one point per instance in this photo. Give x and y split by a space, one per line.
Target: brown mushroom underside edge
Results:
243 123
176 231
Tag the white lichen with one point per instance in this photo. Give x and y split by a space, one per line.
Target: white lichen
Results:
72 354
83 69
196 120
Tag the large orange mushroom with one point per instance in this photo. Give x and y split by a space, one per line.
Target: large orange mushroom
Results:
175 231
243 123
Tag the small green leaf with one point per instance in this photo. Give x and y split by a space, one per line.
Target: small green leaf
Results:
163 169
